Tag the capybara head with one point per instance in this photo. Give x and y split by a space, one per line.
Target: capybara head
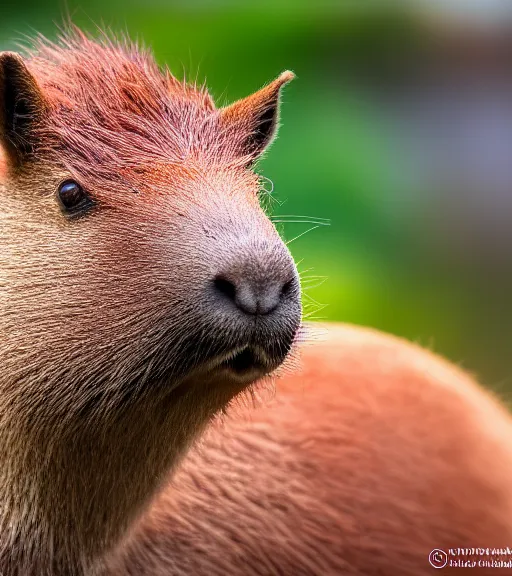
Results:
142 286
134 248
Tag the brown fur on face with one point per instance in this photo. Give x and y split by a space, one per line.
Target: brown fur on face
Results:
108 326
372 454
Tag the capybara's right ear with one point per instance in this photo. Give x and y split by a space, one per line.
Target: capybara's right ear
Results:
22 107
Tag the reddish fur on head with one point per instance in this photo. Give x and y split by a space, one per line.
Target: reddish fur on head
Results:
117 333
107 101
128 324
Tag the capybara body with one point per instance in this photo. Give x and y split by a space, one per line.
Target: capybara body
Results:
142 290
373 454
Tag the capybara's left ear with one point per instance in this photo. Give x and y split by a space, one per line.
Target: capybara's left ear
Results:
22 107
252 122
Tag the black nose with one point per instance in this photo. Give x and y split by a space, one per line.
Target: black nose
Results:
255 295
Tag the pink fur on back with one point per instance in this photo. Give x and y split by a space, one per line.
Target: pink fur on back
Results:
372 455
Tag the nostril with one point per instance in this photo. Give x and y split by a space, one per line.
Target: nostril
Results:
225 287
287 287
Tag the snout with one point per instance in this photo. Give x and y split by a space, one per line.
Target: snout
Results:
253 297
257 286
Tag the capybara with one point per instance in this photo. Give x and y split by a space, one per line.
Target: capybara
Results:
163 408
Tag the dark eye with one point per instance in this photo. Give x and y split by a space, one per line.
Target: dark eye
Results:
73 197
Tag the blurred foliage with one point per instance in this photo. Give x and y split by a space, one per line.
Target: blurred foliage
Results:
333 158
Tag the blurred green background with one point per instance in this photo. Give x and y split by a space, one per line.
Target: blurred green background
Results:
391 131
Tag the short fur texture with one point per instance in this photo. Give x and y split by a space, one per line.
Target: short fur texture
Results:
372 455
110 325
113 338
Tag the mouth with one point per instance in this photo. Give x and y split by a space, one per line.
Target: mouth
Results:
253 357
244 362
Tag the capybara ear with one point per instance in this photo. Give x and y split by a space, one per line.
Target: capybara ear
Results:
22 107
253 121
